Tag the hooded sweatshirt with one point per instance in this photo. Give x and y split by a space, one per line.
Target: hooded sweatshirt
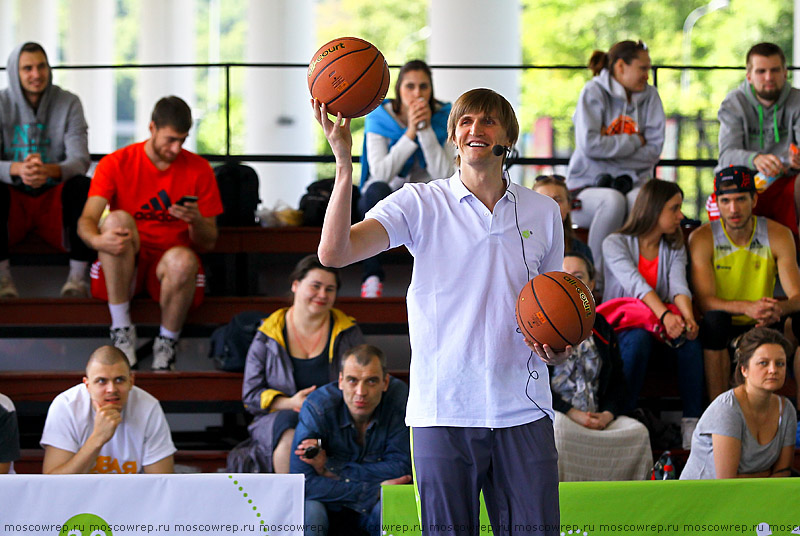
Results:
603 107
56 130
747 128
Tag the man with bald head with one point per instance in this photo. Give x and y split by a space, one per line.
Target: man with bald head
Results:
106 424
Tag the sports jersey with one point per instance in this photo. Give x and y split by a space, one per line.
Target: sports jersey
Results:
142 438
743 273
131 182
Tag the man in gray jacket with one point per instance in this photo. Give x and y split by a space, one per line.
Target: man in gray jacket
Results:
759 127
44 155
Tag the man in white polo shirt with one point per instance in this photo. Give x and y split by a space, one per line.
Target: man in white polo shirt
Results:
479 402
106 424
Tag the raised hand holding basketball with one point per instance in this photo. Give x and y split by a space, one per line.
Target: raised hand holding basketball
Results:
336 132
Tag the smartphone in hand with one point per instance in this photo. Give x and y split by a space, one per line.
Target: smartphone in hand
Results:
187 199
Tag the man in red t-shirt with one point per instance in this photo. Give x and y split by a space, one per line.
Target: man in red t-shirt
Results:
162 203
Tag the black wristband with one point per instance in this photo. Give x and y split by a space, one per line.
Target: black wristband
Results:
663 315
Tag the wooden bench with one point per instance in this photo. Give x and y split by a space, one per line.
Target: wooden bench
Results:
85 317
178 391
204 461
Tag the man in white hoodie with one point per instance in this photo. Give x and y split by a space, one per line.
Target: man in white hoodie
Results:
759 123
44 155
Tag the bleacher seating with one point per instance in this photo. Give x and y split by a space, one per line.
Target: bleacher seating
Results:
203 391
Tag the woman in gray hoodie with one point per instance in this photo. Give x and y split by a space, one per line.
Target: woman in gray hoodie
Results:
619 131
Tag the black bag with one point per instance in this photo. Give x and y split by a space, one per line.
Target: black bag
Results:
314 203
229 343
663 435
238 188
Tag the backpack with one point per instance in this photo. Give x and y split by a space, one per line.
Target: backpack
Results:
230 343
314 203
238 188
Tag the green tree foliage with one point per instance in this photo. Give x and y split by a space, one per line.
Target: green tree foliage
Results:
567 31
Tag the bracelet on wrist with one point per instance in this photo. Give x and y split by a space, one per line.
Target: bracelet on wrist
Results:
663 315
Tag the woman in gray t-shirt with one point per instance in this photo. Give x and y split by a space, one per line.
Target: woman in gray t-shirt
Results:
748 431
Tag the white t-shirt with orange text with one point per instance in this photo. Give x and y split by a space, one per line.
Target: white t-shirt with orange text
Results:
142 438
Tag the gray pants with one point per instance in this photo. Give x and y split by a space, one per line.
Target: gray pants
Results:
517 469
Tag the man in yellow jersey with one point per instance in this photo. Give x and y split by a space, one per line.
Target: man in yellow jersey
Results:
734 264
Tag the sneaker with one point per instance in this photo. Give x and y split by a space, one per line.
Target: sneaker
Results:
125 340
7 287
75 288
164 350
688 424
372 287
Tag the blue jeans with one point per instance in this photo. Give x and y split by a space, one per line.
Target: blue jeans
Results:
317 521
369 198
636 346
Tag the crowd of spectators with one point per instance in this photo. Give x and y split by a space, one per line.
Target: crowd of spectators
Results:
321 400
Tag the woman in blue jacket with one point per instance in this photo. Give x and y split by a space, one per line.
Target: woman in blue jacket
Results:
405 140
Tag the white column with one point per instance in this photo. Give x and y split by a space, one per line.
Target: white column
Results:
38 21
90 40
795 60
278 118
477 32
7 42
166 35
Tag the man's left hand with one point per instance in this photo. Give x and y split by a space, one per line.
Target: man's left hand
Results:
317 462
187 212
547 354
405 479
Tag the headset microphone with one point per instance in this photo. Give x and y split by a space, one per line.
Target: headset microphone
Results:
498 150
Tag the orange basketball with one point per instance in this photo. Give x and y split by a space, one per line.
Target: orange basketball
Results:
557 309
349 75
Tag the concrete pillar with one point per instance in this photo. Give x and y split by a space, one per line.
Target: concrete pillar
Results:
7 26
477 32
278 118
166 35
90 40
38 21
795 60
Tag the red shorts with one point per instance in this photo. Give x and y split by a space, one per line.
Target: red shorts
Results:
775 203
145 278
40 214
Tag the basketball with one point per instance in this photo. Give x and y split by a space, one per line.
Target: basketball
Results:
557 309
349 75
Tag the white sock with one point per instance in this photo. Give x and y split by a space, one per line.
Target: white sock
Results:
77 269
120 315
164 332
5 268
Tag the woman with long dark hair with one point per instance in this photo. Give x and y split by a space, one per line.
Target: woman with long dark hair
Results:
619 132
646 260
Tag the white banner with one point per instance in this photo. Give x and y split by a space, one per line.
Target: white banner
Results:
119 505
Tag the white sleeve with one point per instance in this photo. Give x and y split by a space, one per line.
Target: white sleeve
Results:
59 428
396 214
157 437
384 162
440 160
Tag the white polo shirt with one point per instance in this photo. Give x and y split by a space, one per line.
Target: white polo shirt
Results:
468 362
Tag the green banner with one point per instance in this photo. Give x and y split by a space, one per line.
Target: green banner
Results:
758 507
